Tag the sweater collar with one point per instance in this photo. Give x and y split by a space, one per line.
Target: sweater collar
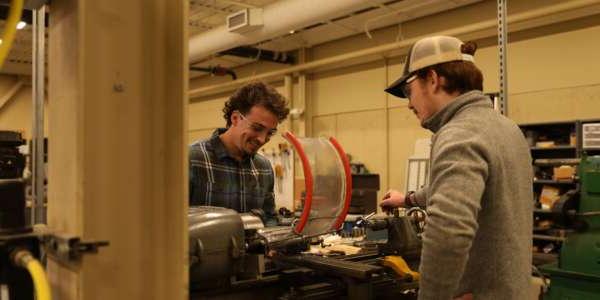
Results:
440 118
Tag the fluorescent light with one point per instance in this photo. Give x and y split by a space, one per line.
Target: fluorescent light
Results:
21 25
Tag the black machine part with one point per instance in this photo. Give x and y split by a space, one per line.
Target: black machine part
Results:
338 267
567 202
283 240
563 210
12 162
12 206
12 187
402 236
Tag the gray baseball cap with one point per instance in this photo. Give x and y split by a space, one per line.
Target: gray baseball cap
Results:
428 52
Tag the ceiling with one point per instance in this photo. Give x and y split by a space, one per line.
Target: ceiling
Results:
19 58
209 14
205 15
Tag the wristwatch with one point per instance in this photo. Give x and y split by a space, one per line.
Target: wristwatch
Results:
409 199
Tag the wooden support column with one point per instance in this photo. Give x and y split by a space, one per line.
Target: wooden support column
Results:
288 93
117 160
304 123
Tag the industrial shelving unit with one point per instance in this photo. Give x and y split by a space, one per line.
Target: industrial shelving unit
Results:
554 144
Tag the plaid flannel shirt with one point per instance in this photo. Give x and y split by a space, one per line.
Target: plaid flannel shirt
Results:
217 179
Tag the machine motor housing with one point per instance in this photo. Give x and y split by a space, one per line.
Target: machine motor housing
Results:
217 243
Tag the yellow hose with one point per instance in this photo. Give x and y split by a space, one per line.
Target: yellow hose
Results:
10 28
23 258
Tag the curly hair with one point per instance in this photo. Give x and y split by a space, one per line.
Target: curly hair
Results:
253 94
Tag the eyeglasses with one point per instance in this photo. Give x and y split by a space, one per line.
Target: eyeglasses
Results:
259 128
406 88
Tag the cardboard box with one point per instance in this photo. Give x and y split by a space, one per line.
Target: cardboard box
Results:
545 144
564 173
548 196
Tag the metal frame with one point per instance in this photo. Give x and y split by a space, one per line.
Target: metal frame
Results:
502 33
38 211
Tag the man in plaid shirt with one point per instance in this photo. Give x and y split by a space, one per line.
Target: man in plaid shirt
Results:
226 170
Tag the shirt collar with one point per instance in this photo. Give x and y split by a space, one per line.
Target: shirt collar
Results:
219 148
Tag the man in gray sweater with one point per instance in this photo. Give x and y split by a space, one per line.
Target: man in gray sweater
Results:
477 241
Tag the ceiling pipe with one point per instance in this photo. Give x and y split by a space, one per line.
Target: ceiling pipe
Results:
377 51
260 54
279 18
216 70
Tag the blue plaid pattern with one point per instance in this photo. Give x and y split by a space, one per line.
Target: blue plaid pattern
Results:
217 179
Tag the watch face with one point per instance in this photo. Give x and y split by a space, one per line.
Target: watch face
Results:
410 198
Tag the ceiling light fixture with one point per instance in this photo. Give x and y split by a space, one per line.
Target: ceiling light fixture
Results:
21 25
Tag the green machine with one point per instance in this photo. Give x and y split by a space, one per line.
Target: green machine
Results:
576 275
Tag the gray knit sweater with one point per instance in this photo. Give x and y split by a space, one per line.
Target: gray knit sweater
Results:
478 234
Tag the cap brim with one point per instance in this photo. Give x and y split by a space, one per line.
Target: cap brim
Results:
396 87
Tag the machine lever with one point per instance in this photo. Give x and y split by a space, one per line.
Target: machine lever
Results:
362 221
71 249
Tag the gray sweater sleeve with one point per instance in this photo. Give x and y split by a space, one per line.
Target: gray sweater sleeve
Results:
459 172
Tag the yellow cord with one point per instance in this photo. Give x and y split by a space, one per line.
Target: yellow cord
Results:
24 259
42 288
10 28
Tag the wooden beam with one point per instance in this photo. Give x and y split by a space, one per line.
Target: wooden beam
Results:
117 117
11 92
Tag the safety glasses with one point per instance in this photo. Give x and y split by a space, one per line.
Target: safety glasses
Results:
259 128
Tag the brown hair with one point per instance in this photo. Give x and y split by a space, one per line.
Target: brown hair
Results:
252 94
461 76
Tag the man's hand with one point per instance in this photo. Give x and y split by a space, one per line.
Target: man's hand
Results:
391 200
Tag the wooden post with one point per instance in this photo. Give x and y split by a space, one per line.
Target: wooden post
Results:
117 116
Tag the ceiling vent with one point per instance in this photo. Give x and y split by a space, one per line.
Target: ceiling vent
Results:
245 20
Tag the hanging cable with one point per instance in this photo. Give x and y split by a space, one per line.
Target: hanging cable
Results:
10 29
216 70
25 259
